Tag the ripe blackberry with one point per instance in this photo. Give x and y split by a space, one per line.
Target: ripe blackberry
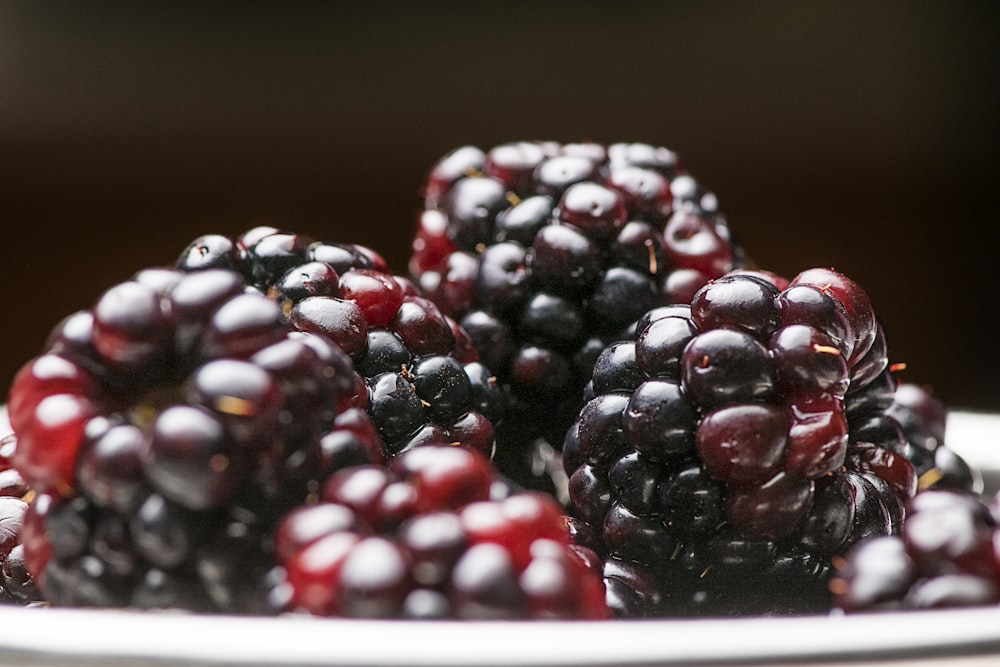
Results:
164 431
922 418
547 252
948 555
732 447
16 584
436 534
419 374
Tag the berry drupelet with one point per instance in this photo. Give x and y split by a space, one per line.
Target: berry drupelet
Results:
731 448
436 534
164 431
546 252
417 372
948 555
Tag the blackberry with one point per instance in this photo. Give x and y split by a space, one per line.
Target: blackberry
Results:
731 448
922 417
947 556
17 586
164 431
418 373
436 534
547 252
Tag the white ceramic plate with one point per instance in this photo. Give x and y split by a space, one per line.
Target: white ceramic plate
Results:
963 638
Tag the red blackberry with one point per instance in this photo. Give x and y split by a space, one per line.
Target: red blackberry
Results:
419 374
948 555
436 534
547 252
164 431
731 448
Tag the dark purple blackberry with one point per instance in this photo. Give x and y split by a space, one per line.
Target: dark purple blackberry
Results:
718 459
436 534
547 252
164 431
948 555
420 377
922 419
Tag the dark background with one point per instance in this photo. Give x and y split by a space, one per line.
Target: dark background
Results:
859 135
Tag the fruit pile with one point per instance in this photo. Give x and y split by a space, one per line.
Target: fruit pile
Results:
579 404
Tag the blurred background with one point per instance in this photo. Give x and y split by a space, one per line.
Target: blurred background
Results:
858 135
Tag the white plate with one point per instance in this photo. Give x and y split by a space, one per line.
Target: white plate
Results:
77 638
67 637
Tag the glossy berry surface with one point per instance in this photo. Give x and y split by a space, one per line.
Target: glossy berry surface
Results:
165 429
547 252
436 534
947 556
731 449
416 371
